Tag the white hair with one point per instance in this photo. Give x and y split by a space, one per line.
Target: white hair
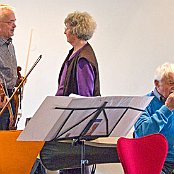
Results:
163 71
4 8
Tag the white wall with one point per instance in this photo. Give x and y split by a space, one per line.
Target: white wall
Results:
132 38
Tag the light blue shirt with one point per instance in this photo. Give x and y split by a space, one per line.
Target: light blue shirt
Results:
157 118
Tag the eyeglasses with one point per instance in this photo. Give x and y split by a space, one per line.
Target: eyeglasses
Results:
9 23
168 81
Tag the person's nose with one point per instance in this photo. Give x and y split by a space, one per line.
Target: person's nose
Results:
14 25
65 30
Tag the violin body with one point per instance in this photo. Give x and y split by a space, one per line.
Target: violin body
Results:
2 92
2 95
13 123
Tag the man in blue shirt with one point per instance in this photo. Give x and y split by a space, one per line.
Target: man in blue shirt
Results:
158 117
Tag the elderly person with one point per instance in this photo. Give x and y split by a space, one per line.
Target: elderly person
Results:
8 66
159 115
8 63
79 73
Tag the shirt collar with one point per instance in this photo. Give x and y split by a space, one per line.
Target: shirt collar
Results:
159 96
77 52
3 41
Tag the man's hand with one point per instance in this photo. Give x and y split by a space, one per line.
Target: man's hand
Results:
170 101
3 101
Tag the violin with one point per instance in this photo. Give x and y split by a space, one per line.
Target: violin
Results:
22 81
2 93
17 100
4 100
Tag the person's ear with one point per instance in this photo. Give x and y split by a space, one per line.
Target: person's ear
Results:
156 82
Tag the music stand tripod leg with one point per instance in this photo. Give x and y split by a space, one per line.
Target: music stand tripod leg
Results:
83 160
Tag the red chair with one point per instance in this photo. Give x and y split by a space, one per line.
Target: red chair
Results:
144 155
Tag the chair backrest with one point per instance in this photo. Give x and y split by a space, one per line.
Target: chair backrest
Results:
142 155
17 157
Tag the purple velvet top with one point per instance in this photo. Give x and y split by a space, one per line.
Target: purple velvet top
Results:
85 77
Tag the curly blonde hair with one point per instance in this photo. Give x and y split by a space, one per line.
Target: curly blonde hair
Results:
81 24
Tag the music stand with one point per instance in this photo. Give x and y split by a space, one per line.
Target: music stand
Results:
94 117
84 134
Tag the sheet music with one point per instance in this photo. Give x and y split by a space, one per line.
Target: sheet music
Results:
53 119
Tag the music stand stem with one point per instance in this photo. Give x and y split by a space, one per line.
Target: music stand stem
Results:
83 160
80 140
